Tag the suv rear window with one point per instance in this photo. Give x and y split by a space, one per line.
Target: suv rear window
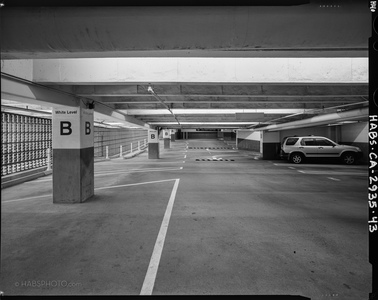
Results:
291 141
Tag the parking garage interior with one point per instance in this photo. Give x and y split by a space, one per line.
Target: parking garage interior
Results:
141 149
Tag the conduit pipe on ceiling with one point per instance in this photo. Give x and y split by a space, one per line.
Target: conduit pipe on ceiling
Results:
150 90
319 120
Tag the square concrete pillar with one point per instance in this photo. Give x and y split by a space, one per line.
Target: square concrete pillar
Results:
167 138
270 145
173 135
153 144
73 154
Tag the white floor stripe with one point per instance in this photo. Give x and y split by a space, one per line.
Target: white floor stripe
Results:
335 179
117 172
132 184
101 188
28 198
129 170
137 171
327 166
162 161
335 173
149 280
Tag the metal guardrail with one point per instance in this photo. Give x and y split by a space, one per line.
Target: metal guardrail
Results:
113 139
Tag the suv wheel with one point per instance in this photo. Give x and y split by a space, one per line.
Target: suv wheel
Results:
296 158
349 158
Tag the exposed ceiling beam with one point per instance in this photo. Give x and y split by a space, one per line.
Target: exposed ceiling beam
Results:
16 89
356 114
221 90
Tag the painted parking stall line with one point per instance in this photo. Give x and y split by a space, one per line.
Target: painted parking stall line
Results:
334 179
118 172
100 188
28 198
153 266
133 184
136 171
310 172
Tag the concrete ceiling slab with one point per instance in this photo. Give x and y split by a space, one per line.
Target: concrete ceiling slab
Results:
270 58
62 32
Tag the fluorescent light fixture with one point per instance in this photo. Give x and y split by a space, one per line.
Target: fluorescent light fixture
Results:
204 123
178 111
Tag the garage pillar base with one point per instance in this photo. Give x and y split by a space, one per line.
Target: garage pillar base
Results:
153 150
167 143
73 175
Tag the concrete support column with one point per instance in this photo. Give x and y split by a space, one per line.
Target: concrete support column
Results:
333 132
270 144
173 135
167 138
237 138
227 134
73 154
153 144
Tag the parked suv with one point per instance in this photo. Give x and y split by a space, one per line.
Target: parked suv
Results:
298 148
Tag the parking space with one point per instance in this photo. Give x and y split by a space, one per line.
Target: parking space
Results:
332 171
242 226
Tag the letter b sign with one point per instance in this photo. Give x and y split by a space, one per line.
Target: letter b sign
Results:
65 128
152 136
87 128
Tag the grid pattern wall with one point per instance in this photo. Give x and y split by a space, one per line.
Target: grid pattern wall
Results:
114 138
25 140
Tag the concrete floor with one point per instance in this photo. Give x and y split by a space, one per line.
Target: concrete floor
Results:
246 226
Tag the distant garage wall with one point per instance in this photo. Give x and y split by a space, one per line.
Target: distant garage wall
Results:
249 140
321 131
202 135
199 134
